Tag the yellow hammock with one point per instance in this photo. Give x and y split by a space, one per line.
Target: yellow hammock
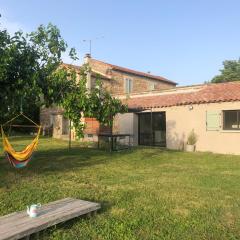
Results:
22 156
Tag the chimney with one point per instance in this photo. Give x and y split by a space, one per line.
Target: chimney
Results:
87 57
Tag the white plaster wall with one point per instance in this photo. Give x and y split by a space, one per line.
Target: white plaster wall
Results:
128 124
180 121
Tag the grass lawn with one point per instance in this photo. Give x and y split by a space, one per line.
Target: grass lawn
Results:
145 193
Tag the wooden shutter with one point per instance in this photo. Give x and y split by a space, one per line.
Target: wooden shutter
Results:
213 120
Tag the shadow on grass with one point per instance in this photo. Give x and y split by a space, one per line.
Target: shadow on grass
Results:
58 160
62 159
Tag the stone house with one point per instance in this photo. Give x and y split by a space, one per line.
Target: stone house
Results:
119 81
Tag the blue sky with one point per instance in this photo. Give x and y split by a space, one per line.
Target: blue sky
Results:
185 41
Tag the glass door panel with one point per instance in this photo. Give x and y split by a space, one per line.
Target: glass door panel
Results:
152 129
145 131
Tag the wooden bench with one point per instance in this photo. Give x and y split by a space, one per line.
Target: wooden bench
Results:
19 225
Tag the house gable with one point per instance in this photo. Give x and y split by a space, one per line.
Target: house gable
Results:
141 82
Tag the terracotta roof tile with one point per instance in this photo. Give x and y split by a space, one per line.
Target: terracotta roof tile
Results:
209 93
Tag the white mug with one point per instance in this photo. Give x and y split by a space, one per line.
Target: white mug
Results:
32 210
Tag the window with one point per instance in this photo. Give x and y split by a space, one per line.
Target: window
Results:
152 129
128 85
231 120
151 86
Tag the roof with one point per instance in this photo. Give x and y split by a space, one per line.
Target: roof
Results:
134 72
71 66
207 93
94 73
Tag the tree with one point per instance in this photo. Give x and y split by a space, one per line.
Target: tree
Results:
229 73
31 74
103 106
29 70
13 54
97 103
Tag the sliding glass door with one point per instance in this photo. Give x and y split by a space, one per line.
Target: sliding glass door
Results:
152 129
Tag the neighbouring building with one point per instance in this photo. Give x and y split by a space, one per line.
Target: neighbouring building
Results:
161 114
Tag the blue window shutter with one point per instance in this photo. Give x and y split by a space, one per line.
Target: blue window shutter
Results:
213 120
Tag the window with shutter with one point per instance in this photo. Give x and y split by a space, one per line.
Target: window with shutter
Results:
213 120
151 86
128 85
231 120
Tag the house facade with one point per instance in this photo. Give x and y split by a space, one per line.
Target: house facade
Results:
119 81
166 118
124 81
161 114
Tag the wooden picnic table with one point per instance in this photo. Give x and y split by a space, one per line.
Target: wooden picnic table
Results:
18 225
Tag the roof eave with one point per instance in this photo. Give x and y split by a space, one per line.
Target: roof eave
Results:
145 75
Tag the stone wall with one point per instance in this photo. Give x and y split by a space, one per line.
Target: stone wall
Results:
47 119
117 83
139 84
